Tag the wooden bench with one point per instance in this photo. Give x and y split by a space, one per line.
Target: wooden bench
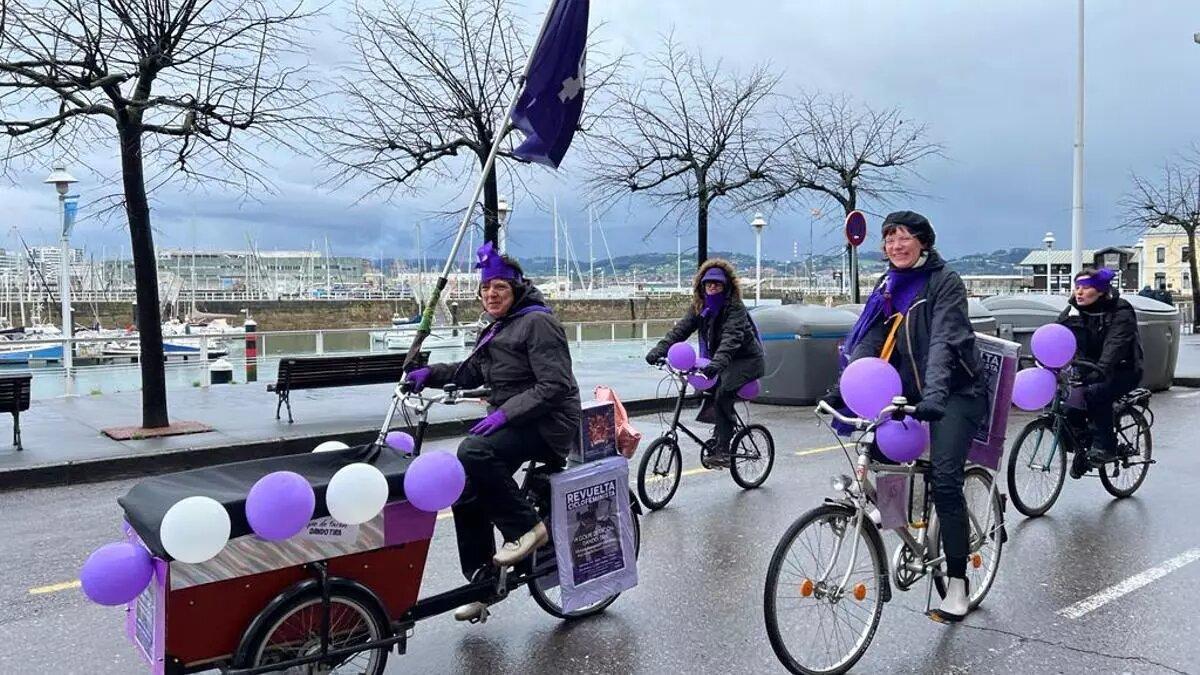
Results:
14 398
333 371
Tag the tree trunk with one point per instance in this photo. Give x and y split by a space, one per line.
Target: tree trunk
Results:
702 204
145 272
1191 235
491 203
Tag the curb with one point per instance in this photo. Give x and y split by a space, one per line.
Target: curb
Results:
129 466
1186 382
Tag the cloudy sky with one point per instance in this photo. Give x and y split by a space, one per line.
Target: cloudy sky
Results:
995 82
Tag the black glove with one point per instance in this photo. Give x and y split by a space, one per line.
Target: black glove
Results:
655 355
833 398
927 411
711 370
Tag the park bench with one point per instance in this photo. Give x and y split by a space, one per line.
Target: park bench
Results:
14 398
325 372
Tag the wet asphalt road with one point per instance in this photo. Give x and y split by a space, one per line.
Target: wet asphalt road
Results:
698 608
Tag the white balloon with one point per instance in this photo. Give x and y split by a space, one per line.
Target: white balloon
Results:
330 446
356 493
195 529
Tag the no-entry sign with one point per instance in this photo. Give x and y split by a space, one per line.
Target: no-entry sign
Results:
856 227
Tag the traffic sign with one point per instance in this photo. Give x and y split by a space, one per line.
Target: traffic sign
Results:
856 227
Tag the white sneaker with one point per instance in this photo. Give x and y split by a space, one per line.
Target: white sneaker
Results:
473 612
956 604
513 552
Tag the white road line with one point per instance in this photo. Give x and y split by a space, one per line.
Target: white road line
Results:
1131 584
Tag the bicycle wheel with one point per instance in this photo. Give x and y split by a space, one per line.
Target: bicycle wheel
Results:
547 594
985 541
1037 466
753 456
659 472
1123 477
295 631
816 626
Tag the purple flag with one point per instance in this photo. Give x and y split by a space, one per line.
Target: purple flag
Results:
550 105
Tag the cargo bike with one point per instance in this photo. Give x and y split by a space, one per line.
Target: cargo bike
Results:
333 599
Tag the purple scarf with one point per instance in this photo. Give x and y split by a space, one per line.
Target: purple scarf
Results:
894 295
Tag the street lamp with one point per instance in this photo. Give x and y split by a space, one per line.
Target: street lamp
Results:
62 184
1048 240
502 212
758 224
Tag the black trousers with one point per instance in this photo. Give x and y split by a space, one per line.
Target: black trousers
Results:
1100 398
950 440
725 396
492 496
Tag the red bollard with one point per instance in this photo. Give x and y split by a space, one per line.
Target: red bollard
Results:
251 327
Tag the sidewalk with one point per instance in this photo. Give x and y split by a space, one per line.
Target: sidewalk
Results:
63 443
1187 369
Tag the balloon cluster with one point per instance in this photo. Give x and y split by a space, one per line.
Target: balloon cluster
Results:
279 506
683 357
868 386
1053 345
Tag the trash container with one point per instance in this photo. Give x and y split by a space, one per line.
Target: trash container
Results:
982 319
1160 326
801 344
220 372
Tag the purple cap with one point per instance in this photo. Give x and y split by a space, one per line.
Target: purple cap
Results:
492 266
1100 280
715 274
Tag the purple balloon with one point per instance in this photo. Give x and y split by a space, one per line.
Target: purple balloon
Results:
401 441
749 390
115 574
434 481
698 380
902 440
1053 345
681 356
1034 388
280 505
869 385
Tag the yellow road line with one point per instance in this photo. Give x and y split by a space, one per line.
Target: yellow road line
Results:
54 588
444 515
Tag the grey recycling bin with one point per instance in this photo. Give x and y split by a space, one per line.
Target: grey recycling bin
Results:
1159 327
982 319
801 344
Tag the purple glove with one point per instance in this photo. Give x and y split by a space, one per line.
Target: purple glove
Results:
416 378
490 424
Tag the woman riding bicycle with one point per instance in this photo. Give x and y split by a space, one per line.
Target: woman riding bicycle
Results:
1106 332
916 318
534 413
727 338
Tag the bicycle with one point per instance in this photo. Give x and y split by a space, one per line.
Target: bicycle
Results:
829 578
751 458
1037 459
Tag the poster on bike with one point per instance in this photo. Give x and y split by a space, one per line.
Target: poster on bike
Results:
999 359
592 530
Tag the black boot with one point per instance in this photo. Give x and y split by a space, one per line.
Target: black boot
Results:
1098 456
1079 464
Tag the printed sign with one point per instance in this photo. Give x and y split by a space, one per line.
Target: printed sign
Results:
999 359
143 627
330 529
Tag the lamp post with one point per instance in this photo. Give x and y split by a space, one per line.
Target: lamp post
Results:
1048 240
502 212
62 184
758 224
1077 177
1141 276
816 214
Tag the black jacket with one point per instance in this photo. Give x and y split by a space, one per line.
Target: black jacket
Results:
527 365
935 346
1106 333
729 335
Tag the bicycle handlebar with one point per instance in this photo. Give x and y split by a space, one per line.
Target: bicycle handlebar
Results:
860 423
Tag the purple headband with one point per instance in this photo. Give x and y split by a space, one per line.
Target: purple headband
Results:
1100 280
492 266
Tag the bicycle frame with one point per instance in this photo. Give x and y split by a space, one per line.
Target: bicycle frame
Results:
676 425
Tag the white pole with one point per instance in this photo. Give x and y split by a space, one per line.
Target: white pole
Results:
678 262
64 292
555 215
1077 187
757 265
591 254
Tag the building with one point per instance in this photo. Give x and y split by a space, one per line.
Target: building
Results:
1168 258
1059 261
984 285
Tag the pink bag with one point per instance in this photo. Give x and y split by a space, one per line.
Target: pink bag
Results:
628 438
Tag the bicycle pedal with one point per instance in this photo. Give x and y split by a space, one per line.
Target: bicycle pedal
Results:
482 617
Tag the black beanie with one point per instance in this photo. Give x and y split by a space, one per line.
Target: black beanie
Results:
915 223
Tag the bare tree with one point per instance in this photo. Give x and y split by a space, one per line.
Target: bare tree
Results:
1171 199
191 87
846 152
690 134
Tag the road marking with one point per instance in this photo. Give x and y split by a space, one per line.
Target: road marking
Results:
55 588
444 515
816 451
1131 584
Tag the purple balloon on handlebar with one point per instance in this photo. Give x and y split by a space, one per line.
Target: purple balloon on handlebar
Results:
868 385
681 356
902 440
1054 345
698 380
1034 388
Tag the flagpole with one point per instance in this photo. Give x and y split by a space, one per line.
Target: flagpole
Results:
427 316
